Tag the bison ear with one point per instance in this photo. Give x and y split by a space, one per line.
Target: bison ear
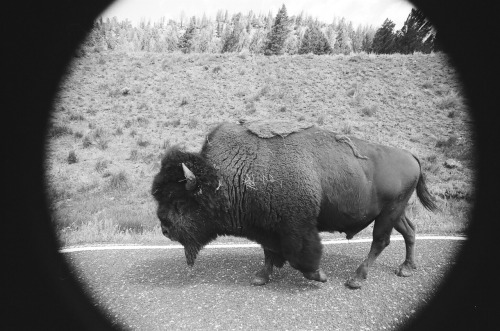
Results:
190 178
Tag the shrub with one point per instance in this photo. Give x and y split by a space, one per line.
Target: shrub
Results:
101 165
427 85
142 142
142 121
118 181
193 123
175 123
447 143
119 131
102 143
86 142
430 164
184 101
453 149
98 133
263 91
57 131
133 155
346 128
78 135
450 100
72 157
369 110
76 117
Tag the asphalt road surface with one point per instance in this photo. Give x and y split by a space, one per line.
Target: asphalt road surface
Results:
154 289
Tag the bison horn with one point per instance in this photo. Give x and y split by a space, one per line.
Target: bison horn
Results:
190 177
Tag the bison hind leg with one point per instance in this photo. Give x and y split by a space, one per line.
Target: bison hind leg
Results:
407 230
271 259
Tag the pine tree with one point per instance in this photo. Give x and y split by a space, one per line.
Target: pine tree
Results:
278 34
416 34
368 35
186 40
314 41
384 39
232 36
343 43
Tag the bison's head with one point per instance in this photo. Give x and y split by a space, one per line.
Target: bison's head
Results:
185 189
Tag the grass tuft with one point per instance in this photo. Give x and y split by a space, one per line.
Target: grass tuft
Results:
119 181
369 110
142 142
174 123
101 165
57 131
451 100
76 117
184 101
72 157
447 143
134 155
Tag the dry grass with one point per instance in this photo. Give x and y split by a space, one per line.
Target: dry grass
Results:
148 102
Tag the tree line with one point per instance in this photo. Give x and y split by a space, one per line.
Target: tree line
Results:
263 34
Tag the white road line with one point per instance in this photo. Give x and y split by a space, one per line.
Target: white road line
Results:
325 242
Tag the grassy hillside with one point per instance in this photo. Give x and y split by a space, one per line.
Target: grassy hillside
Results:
116 113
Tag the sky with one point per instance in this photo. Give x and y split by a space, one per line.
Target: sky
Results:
364 12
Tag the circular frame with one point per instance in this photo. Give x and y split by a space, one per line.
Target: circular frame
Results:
39 289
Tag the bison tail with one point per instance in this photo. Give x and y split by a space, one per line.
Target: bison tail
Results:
423 193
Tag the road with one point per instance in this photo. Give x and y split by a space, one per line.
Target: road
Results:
154 289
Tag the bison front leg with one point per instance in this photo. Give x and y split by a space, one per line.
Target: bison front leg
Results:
271 260
303 249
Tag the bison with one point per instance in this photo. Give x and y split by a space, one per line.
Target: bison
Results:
282 188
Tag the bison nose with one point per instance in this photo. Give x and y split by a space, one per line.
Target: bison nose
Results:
164 230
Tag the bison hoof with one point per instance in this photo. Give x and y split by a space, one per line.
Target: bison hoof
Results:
354 283
260 280
405 269
318 275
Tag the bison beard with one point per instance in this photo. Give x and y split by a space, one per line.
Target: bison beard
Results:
191 253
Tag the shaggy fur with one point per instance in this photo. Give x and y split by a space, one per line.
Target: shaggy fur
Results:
282 191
